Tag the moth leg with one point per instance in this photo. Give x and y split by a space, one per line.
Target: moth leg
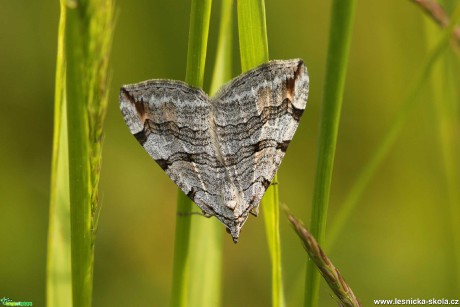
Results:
206 215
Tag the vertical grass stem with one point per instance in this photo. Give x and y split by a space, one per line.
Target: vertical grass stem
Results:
337 61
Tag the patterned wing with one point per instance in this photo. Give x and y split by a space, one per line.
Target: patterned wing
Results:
171 120
255 117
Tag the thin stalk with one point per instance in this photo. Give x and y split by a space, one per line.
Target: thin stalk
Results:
196 57
207 234
270 207
222 72
254 51
59 275
252 33
337 61
198 41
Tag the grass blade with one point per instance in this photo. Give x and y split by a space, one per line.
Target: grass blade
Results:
222 72
270 207
59 275
339 45
198 41
79 168
207 234
252 33
196 57
254 51
89 28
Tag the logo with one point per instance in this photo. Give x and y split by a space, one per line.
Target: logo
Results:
7 302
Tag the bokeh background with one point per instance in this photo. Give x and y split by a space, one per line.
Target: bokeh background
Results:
398 242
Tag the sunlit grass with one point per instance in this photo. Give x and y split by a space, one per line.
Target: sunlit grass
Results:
253 52
85 39
342 18
196 58
59 275
207 235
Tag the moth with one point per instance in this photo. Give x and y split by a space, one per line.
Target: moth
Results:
221 151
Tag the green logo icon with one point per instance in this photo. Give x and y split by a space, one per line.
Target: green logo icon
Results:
7 302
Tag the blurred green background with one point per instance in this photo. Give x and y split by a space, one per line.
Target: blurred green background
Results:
398 243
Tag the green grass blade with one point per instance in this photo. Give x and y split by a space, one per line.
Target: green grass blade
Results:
207 234
339 45
252 30
79 168
222 71
59 275
196 57
254 51
198 41
89 28
270 207
181 263
407 106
